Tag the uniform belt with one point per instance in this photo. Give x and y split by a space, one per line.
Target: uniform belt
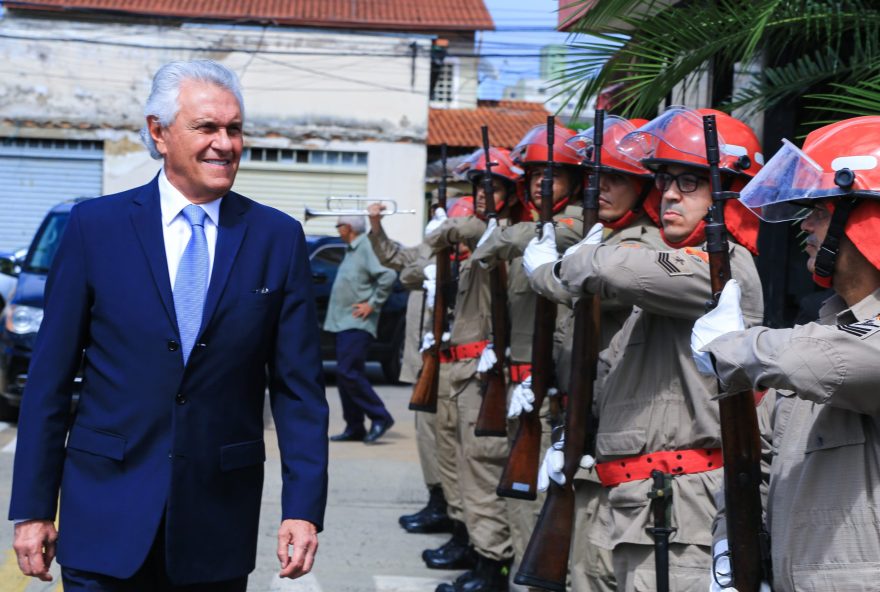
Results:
519 372
465 351
673 462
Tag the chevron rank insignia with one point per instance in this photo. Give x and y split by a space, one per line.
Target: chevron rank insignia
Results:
674 263
862 329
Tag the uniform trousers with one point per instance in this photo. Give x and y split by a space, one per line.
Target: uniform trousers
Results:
448 446
689 568
479 472
426 442
591 567
357 395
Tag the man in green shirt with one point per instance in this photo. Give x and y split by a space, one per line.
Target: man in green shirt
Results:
361 287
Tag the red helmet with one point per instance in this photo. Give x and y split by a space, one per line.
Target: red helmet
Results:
462 207
841 160
676 137
615 129
502 165
532 149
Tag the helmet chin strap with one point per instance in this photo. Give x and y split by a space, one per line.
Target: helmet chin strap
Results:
823 270
827 254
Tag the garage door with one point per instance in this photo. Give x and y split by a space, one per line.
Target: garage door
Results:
38 174
292 186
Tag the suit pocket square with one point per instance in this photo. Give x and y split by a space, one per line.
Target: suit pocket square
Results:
95 442
242 454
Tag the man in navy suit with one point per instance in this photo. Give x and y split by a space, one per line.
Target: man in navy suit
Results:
182 301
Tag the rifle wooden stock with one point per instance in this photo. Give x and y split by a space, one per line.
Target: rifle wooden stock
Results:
520 476
741 443
492 420
424 395
545 561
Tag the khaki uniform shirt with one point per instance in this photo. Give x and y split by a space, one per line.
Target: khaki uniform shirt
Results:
823 510
410 262
472 316
653 397
508 244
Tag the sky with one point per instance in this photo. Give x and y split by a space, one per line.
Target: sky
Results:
523 27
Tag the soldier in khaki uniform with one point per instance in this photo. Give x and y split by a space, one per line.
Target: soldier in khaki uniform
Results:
471 329
655 409
410 263
824 483
508 244
629 204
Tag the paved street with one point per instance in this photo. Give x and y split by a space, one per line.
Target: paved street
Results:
362 548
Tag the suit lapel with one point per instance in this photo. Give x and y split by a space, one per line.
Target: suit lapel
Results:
146 216
229 236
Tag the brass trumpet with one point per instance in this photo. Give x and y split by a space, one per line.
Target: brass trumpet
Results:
354 206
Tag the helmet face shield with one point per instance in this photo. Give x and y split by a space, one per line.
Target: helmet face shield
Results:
532 149
615 129
676 134
475 165
782 190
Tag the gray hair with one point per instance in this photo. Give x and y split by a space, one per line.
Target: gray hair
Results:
357 223
163 102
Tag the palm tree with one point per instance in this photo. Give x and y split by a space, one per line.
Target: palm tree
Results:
821 57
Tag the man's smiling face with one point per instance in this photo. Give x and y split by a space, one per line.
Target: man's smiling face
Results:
202 146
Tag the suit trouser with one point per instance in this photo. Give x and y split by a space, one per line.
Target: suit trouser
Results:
523 514
591 567
448 446
357 395
150 577
426 442
479 472
689 568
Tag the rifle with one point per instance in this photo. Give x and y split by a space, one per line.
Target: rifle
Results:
741 445
520 477
545 561
424 395
492 420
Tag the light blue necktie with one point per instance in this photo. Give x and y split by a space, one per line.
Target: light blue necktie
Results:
191 282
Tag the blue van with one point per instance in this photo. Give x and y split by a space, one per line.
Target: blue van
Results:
24 312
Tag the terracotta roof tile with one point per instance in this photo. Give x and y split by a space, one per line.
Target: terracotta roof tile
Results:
406 15
508 122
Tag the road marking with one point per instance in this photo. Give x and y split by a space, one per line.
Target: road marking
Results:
405 584
307 583
12 578
10 447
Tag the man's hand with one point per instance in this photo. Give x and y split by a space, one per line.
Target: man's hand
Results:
374 211
361 310
541 250
303 537
723 319
436 220
34 546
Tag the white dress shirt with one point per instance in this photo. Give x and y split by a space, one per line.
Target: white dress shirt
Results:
177 231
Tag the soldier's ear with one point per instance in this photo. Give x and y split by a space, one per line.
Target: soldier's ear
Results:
157 132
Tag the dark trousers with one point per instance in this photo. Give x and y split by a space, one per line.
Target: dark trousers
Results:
357 395
151 577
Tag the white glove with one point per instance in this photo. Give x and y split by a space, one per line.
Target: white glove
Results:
541 250
428 342
490 228
724 318
445 337
722 571
436 220
521 399
429 285
488 359
551 467
594 237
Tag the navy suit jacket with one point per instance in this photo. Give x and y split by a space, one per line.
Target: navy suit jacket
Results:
150 437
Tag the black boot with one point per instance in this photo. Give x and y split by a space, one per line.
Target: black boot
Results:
456 553
431 518
488 576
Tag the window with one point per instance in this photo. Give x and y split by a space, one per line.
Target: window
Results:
333 158
331 255
443 90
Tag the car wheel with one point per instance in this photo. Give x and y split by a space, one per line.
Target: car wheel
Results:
392 365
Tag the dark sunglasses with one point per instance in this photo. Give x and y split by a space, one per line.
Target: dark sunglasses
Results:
686 182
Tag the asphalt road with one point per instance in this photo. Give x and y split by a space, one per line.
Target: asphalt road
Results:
362 549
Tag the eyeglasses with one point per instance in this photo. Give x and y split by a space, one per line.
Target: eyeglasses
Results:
686 182
819 214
